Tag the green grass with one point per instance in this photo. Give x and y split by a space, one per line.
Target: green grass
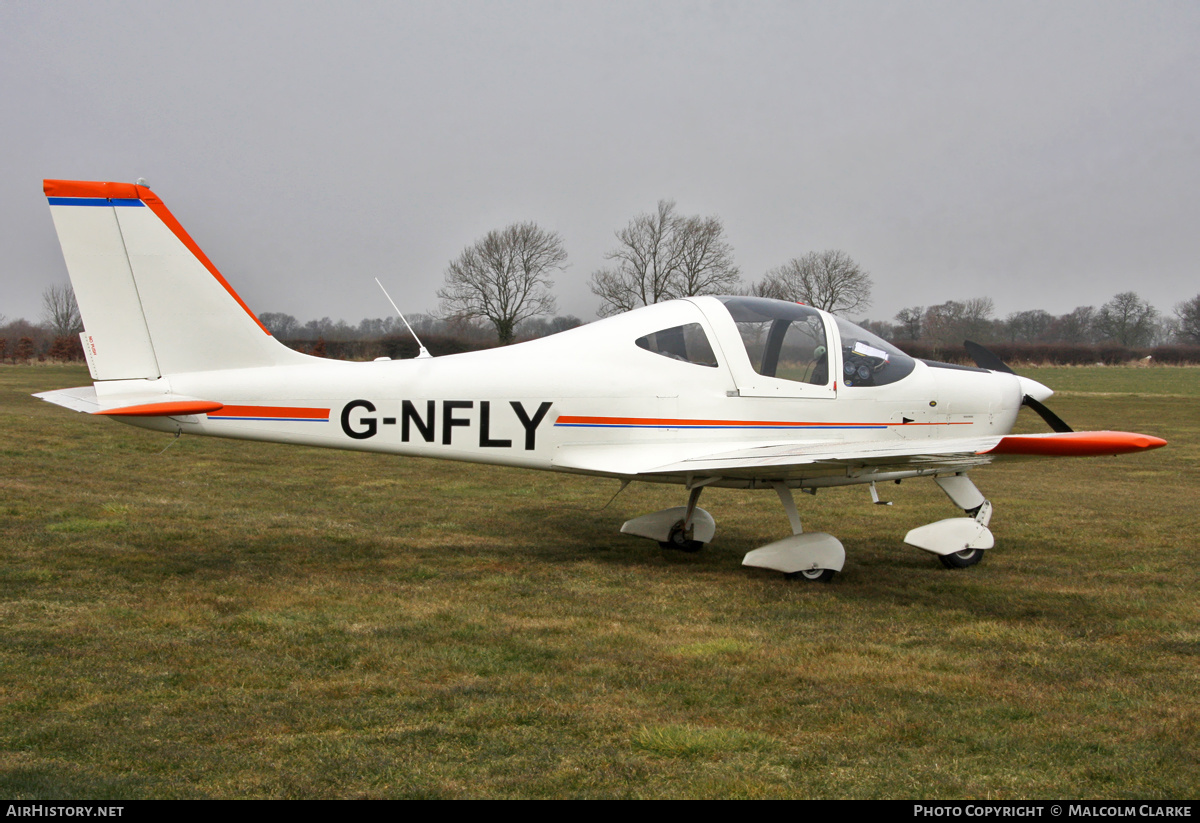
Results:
227 619
1180 381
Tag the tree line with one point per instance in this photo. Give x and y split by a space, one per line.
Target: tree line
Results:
55 338
1126 320
499 290
505 278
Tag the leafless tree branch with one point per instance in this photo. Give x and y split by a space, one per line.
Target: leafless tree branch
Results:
60 311
504 277
662 256
828 280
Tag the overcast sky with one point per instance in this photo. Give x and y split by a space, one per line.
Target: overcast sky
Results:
1043 154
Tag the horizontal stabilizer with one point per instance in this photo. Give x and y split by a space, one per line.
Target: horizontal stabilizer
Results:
167 409
80 399
84 399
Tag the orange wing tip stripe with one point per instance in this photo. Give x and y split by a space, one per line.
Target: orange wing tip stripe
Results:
1077 444
164 409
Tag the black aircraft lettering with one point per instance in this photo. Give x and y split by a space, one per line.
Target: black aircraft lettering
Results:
408 414
449 421
369 422
530 425
485 420
426 425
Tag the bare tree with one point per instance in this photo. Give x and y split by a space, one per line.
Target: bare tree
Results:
706 259
828 280
949 324
643 263
1076 327
282 326
1188 314
1127 319
60 311
909 322
662 256
1029 326
504 277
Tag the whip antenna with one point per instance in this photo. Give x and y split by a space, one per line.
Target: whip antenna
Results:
424 352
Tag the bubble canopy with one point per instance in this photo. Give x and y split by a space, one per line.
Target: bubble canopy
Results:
789 341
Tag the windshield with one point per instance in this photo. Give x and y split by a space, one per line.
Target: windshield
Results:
868 360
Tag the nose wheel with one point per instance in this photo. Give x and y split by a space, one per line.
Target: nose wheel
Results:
962 559
813 575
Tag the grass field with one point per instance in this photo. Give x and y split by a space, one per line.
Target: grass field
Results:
226 619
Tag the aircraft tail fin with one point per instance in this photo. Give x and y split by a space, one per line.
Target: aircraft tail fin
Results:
152 302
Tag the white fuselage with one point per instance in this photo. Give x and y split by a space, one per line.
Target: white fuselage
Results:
537 404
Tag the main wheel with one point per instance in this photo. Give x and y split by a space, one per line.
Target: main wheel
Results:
679 541
813 575
962 559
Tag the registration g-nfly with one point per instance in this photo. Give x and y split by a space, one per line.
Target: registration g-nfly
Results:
737 392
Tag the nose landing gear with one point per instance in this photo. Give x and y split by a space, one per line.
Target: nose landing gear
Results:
959 542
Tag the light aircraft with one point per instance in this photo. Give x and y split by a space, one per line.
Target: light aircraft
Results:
737 392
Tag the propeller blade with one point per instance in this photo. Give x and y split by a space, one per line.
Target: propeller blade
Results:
1050 417
985 359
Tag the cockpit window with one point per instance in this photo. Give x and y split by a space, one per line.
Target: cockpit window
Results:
783 340
868 360
687 343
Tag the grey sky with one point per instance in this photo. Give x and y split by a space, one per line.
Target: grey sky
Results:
1044 154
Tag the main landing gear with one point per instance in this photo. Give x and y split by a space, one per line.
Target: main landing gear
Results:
680 539
685 528
959 542
815 556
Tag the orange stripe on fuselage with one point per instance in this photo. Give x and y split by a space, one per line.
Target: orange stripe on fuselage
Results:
294 412
573 420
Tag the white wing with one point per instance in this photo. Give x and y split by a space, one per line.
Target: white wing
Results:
856 461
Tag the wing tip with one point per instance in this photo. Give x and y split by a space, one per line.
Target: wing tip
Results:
1076 444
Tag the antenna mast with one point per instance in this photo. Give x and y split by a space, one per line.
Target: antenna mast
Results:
423 351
